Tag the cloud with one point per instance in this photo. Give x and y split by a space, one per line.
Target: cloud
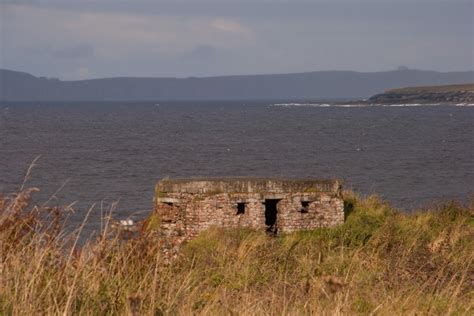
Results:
81 51
82 73
115 35
202 53
230 26
122 42
163 38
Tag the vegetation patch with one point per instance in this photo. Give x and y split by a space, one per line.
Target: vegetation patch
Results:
379 261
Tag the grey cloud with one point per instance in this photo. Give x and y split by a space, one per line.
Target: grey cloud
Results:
202 53
74 52
261 8
197 38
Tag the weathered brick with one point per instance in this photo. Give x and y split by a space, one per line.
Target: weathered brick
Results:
188 206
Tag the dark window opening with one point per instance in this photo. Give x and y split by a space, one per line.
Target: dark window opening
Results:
271 211
240 208
304 207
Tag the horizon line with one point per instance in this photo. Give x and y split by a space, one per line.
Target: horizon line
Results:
399 69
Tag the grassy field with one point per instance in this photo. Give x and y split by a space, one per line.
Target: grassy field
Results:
434 89
380 261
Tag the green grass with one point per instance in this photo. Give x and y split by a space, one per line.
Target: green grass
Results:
434 89
380 261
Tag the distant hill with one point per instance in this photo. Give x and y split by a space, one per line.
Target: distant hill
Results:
461 93
20 86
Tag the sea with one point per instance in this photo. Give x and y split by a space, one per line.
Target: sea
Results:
108 156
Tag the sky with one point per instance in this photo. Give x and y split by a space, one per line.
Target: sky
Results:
81 39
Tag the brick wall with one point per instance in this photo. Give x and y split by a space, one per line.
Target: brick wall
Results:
188 207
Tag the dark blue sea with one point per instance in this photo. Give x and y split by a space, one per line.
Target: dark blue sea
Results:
99 153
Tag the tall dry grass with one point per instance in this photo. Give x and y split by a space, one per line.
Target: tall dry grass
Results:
380 261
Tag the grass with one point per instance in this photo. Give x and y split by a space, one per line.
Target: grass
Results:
381 261
434 89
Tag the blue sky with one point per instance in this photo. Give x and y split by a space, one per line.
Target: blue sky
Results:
79 39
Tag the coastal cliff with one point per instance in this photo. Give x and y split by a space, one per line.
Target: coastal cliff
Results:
461 93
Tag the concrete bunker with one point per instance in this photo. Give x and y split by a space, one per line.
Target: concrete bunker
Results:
190 206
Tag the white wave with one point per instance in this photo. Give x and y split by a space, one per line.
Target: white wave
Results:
302 104
321 105
402 105
361 105
351 105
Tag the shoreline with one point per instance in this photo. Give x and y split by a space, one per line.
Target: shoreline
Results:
443 94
